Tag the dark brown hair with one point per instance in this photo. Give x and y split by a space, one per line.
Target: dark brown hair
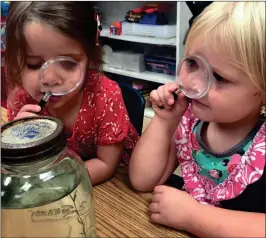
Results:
73 19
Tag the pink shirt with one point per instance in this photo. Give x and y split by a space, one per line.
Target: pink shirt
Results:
247 169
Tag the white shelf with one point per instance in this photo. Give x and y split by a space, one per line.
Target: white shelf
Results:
141 39
146 75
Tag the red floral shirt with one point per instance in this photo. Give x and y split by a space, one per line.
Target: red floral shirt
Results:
102 120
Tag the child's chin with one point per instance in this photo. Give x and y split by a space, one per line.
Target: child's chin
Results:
201 115
56 104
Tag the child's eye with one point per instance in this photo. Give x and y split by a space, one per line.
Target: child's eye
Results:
218 77
68 65
34 66
192 64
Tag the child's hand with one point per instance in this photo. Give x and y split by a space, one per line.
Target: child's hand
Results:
172 207
164 104
28 110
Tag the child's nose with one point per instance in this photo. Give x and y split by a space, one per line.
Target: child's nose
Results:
51 79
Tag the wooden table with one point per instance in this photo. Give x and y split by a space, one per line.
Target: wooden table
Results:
122 212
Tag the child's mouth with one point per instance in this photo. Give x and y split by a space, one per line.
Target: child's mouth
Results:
53 99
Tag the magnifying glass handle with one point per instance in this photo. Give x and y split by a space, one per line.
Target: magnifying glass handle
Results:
175 95
45 99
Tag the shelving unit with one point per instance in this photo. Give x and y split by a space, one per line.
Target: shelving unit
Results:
180 15
140 39
146 75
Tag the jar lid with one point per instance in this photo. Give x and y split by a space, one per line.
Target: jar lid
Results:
31 139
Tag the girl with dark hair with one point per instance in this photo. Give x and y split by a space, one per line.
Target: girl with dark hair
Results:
94 115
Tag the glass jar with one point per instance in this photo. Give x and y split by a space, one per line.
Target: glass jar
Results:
45 187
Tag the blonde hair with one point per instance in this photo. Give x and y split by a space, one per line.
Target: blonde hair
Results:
239 29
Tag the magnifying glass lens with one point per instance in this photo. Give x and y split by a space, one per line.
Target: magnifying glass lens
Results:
58 77
194 76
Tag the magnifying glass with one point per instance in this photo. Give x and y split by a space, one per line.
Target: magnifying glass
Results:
194 76
59 76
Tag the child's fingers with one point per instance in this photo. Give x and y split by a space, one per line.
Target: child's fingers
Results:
162 96
160 93
158 189
25 114
155 98
172 87
154 207
156 217
30 108
168 93
156 197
